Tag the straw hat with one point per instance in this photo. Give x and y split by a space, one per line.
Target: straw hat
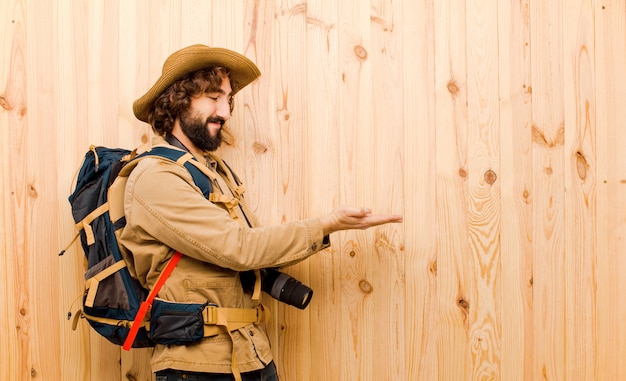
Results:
192 58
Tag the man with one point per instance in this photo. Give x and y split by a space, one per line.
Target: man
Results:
220 239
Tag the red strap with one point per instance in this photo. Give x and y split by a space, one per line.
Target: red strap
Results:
145 306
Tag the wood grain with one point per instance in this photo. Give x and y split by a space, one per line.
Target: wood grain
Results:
496 128
610 223
484 188
386 255
580 180
322 120
516 258
454 266
548 190
419 166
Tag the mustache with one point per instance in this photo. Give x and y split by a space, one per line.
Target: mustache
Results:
215 119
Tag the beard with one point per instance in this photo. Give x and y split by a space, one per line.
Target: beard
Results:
198 133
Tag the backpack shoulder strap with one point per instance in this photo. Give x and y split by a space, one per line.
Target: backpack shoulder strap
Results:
236 187
201 175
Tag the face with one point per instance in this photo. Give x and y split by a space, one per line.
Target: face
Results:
202 122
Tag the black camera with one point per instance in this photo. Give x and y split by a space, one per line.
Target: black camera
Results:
285 288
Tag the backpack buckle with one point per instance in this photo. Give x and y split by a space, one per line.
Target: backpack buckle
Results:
210 313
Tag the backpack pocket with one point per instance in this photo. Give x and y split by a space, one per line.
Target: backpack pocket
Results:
176 323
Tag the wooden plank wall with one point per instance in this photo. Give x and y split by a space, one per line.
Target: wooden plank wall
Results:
497 128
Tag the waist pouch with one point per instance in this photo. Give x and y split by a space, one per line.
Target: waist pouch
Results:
176 323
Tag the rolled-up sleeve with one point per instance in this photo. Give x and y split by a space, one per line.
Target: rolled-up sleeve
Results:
162 204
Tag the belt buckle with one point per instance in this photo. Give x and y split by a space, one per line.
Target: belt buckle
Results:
210 314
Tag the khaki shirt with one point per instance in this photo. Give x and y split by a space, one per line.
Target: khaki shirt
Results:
164 212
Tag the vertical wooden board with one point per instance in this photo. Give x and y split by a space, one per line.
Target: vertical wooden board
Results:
73 66
103 72
548 184
356 161
483 168
198 18
134 79
104 361
387 256
164 37
40 266
418 167
515 186
580 179
256 130
454 280
13 119
38 306
135 365
290 98
610 88
227 26
322 170
72 127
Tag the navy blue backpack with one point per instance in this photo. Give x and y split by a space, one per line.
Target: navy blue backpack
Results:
113 298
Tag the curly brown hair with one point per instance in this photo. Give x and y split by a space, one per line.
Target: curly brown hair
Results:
176 99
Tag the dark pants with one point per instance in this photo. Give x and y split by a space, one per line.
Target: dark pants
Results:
266 374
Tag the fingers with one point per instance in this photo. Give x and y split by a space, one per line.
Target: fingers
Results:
381 219
348 217
366 219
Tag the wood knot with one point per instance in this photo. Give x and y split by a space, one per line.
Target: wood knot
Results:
4 103
453 88
581 165
284 115
365 286
360 52
463 304
433 268
259 148
32 191
490 177
462 172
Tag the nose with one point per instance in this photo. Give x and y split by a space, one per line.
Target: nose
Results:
223 108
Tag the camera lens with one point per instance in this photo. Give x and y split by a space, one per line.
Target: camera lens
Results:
286 289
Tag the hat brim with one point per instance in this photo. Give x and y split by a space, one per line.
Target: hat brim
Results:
187 60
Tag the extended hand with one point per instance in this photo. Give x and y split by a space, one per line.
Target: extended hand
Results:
348 217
